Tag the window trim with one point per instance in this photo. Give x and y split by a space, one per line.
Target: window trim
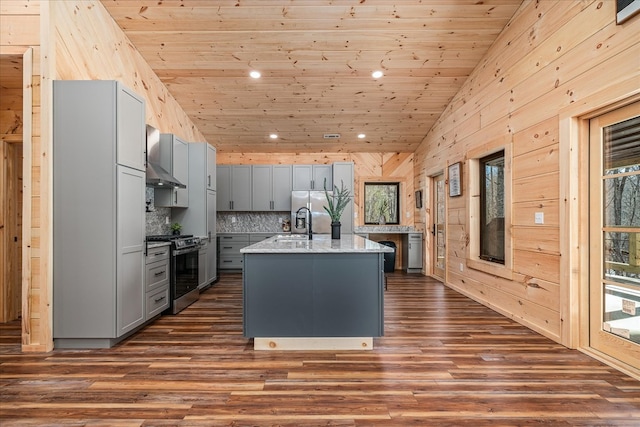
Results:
473 259
482 188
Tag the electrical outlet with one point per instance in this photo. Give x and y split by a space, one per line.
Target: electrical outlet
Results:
166 220
539 217
233 219
461 267
280 220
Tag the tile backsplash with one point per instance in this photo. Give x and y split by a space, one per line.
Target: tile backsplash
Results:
251 222
156 217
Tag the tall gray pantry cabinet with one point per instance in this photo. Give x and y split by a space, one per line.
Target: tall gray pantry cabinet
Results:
98 213
200 218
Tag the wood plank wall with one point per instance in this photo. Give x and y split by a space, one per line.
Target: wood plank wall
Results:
395 167
20 35
551 55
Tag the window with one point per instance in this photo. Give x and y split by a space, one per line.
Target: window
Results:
382 203
492 207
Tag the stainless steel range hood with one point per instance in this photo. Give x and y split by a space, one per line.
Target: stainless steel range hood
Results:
157 176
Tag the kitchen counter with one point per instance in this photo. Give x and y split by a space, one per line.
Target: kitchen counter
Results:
385 229
318 294
320 243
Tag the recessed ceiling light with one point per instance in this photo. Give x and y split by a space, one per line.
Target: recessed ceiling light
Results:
255 74
377 74
361 135
273 136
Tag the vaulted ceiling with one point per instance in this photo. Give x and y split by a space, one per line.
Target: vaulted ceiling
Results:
316 58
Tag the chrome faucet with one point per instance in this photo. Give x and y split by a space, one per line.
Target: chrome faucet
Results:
300 220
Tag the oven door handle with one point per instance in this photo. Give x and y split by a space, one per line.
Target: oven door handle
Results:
184 251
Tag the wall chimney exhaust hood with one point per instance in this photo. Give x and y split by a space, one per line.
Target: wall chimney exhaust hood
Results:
157 176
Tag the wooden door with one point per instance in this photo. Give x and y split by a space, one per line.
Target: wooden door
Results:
614 283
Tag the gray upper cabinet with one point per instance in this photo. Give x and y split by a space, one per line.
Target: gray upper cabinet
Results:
211 168
312 177
131 121
200 217
271 187
98 282
174 158
233 187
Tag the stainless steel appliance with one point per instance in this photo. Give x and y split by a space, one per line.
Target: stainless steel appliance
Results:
183 283
316 216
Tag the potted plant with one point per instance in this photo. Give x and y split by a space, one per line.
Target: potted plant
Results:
176 227
335 206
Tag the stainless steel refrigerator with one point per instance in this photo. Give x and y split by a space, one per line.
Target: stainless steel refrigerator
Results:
315 202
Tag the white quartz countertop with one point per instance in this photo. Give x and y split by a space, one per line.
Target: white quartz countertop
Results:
385 229
321 243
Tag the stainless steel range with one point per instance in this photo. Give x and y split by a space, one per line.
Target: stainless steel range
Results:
183 283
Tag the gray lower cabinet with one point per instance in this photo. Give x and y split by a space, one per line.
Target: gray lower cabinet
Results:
157 281
313 295
229 245
202 266
99 291
412 252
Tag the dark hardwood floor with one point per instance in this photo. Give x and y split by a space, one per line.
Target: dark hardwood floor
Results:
444 361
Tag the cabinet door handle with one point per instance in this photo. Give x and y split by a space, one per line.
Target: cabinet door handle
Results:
176 195
208 180
209 235
158 253
160 273
158 299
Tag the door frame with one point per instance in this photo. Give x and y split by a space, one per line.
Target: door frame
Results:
27 149
574 220
432 232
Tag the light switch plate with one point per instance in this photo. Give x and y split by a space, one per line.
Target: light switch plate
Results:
539 217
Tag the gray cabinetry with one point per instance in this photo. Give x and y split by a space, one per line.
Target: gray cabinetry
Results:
312 177
233 187
98 213
271 187
412 252
229 247
174 158
200 217
157 281
202 266
343 174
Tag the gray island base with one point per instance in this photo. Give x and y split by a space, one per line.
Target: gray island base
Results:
318 294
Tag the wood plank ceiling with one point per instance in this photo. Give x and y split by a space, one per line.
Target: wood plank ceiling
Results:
316 58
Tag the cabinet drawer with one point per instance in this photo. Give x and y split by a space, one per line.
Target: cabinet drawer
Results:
157 301
232 238
230 262
157 275
157 254
232 248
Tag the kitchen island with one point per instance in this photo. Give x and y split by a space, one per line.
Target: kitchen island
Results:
313 294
